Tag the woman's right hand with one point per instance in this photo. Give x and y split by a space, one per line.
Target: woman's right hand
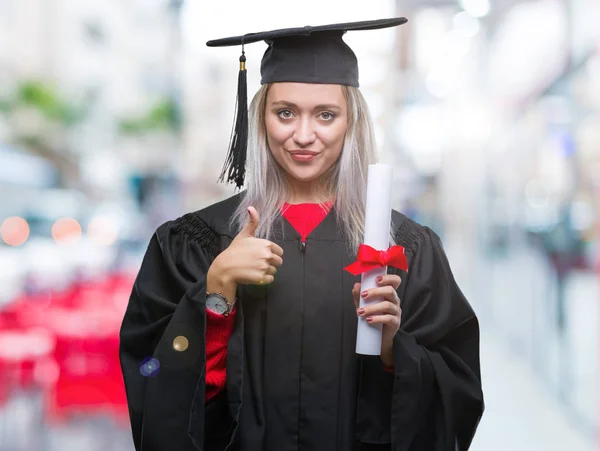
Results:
247 260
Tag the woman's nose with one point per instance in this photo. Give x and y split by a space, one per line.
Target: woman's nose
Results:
304 135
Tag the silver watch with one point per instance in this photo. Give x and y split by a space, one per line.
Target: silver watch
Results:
217 303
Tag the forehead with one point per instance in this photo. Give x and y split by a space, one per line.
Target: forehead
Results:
306 94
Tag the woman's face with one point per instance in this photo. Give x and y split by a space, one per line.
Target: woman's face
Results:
306 124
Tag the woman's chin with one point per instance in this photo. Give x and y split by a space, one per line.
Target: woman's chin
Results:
304 176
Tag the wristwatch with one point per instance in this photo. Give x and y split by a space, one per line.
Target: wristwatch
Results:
217 303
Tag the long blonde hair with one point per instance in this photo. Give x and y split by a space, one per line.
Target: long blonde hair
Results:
346 181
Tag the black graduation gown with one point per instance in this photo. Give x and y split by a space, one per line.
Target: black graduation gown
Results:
294 381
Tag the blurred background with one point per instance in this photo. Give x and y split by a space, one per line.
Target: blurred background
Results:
115 117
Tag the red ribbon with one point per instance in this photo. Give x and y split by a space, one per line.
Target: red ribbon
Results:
369 258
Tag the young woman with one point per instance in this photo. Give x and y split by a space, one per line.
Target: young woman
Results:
240 332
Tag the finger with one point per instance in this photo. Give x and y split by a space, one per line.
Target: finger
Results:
389 279
356 294
272 270
356 290
384 319
271 251
380 308
264 279
387 292
275 260
252 224
277 250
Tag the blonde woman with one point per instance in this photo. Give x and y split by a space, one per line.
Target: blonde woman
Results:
241 329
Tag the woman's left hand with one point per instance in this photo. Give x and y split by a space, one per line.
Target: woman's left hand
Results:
386 312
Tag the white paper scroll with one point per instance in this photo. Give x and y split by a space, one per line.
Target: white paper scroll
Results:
377 232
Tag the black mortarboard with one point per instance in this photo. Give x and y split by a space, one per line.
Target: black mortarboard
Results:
304 55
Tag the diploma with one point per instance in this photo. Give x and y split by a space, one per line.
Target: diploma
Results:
378 213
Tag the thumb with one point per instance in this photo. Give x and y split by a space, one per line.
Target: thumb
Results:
252 224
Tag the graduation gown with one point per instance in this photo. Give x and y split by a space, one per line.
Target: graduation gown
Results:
294 381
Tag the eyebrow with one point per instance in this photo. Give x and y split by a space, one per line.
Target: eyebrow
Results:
323 106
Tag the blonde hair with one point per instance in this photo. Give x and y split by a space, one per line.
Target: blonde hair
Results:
346 181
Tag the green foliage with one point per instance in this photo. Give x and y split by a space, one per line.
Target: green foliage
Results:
44 98
163 116
48 101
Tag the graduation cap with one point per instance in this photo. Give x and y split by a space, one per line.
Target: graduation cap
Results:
303 55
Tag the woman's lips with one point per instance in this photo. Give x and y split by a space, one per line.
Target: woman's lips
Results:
303 156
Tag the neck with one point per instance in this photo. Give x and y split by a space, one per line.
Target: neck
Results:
308 193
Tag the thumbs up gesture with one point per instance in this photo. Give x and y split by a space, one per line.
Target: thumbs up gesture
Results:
248 260
251 225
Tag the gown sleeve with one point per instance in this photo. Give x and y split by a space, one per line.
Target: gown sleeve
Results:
436 395
162 347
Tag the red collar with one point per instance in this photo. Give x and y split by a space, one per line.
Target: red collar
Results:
305 217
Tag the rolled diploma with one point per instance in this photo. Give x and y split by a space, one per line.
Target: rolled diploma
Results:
377 231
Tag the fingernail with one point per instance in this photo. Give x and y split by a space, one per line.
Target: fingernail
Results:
379 279
361 311
369 320
364 294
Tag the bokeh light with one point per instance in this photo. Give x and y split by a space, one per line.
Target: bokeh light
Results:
14 231
66 230
150 367
466 24
537 194
476 8
103 231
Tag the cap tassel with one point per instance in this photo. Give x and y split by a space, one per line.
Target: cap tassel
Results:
235 164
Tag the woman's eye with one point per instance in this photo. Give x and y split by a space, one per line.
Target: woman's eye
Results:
327 116
285 114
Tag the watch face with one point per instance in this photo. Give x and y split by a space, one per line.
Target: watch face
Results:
216 304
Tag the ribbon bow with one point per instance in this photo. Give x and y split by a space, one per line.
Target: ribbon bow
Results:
369 258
